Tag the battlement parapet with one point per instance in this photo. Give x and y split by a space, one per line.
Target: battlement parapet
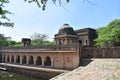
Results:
70 47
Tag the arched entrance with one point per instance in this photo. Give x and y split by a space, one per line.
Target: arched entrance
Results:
0 58
31 60
47 61
80 42
39 61
12 59
24 60
8 58
4 58
18 59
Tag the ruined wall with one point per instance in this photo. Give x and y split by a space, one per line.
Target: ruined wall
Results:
42 74
106 52
61 57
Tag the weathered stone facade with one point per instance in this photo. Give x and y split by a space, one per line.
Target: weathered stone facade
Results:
66 54
63 57
67 35
105 52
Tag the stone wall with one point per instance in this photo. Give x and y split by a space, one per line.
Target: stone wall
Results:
41 74
60 57
106 52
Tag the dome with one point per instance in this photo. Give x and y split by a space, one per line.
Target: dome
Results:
66 30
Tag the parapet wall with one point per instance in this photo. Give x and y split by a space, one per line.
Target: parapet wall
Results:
42 48
44 74
106 52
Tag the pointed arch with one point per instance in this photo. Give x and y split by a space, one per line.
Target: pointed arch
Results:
0 58
39 61
17 59
47 61
8 58
12 59
31 60
4 58
24 60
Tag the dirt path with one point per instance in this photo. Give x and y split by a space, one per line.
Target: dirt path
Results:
98 69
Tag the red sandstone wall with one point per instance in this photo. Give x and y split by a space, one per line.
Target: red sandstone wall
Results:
106 52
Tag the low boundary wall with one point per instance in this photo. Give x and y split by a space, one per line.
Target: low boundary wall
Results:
106 52
42 74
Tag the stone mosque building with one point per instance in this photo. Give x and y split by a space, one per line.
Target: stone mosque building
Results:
67 35
65 54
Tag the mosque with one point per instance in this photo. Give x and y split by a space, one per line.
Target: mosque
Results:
65 54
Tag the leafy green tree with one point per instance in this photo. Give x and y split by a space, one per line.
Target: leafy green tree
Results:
48 43
42 3
109 35
3 40
38 39
4 20
7 42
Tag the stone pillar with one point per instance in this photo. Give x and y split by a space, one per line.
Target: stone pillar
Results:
20 59
27 58
52 61
2 58
10 58
43 59
5 58
14 58
66 41
34 60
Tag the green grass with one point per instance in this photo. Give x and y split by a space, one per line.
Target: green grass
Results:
12 76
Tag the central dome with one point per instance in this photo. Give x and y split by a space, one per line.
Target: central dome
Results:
66 30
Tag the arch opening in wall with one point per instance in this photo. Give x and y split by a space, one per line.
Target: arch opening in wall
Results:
31 60
0 58
60 42
18 59
24 60
79 41
8 58
47 61
39 61
12 59
4 58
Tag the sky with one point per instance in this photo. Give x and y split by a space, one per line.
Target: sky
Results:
30 19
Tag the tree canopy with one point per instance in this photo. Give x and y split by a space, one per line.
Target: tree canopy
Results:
40 39
7 42
4 20
109 35
42 3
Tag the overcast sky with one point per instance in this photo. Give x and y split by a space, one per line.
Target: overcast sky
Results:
30 19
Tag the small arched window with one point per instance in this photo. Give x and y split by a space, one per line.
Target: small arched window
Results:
31 60
8 58
18 59
47 61
24 60
12 58
39 61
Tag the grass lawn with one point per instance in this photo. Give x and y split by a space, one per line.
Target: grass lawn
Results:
12 76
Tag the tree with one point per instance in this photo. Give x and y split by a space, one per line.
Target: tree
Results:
4 20
7 42
3 40
109 35
42 3
38 39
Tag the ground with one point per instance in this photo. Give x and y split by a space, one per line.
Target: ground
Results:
96 69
